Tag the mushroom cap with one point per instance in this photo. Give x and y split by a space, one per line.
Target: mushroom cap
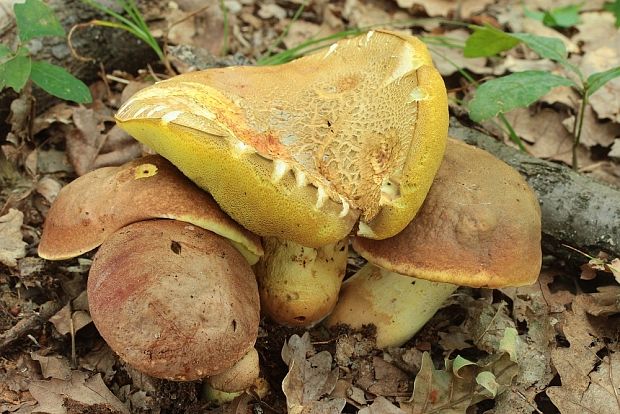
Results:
299 285
173 300
479 226
302 150
95 205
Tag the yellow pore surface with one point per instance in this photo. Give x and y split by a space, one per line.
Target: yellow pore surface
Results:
302 150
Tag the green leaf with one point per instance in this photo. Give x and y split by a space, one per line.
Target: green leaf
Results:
15 71
58 82
458 363
509 343
36 19
598 80
487 380
545 47
567 16
513 91
614 8
487 41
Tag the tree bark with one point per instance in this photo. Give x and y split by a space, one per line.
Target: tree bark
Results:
577 210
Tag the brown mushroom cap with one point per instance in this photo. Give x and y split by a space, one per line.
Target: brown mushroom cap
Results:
173 300
299 151
92 207
479 226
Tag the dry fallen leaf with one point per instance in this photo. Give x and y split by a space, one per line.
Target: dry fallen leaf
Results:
53 366
72 317
381 405
465 8
310 379
12 247
587 381
463 383
80 393
85 140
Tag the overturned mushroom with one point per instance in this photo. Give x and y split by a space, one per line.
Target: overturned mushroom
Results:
173 300
299 285
479 226
301 150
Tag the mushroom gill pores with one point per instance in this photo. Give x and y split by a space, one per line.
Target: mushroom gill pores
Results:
302 150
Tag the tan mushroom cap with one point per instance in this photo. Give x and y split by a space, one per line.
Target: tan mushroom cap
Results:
479 226
92 207
302 150
173 300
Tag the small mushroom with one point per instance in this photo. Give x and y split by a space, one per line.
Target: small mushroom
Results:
174 300
226 386
479 226
302 150
92 207
299 285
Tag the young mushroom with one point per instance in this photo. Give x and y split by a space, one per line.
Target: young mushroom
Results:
299 285
174 300
177 298
302 150
479 226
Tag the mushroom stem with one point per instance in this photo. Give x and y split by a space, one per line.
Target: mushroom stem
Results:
228 385
397 305
299 285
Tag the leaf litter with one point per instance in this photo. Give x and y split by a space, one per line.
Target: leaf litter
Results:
550 347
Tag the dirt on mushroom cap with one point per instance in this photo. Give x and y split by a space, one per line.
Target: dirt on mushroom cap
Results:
479 226
173 300
299 151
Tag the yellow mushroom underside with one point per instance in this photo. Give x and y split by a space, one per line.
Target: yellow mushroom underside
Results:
300 151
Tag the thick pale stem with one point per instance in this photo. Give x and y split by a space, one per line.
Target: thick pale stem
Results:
228 385
397 305
298 286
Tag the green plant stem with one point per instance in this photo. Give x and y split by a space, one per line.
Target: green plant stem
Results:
578 126
514 137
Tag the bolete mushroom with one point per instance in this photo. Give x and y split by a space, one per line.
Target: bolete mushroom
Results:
95 205
174 300
301 150
479 226
299 285
177 299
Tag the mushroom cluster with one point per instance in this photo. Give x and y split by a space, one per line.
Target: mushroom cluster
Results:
344 143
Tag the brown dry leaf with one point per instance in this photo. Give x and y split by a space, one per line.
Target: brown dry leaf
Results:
379 377
53 366
12 247
204 30
514 64
381 405
605 302
463 8
587 385
78 394
101 359
58 113
535 371
364 14
310 379
449 60
118 148
615 149
595 30
72 317
49 188
593 131
545 135
606 100
85 140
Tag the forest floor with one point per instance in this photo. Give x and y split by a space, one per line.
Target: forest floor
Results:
565 357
